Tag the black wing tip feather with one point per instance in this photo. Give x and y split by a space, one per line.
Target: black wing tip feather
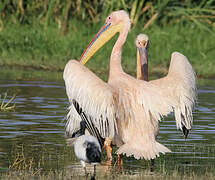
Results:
185 131
87 124
92 129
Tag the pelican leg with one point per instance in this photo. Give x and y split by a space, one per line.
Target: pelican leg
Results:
119 163
119 160
108 148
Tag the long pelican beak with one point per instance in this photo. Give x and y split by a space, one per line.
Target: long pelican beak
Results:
103 36
142 63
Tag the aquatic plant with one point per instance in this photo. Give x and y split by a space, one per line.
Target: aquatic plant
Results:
5 104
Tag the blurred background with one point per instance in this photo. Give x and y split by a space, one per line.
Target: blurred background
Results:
45 34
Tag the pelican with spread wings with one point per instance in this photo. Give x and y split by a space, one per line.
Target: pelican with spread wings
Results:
128 110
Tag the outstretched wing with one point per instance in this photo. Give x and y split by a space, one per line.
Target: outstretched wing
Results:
94 98
179 88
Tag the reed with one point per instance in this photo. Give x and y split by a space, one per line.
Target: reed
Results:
201 13
33 47
62 164
5 102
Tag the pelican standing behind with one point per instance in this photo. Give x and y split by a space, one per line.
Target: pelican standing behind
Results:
135 105
142 44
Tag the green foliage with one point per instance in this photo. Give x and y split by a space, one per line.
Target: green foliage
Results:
201 13
32 46
45 34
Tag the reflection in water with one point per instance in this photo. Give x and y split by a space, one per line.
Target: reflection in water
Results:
36 130
77 169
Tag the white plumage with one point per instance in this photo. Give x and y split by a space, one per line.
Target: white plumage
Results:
87 148
179 86
127 109
94 96
80 147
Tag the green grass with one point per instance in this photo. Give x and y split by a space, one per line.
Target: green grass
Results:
34 47
26 162
46 34
67 174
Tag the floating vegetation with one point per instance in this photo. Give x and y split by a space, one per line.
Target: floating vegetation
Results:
6 103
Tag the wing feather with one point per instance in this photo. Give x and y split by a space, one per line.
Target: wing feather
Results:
179 87
155 105
136 95
94 96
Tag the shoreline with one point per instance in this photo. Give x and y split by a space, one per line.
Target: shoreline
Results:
16 72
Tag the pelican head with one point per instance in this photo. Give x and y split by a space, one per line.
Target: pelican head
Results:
142 44
114 23
142 41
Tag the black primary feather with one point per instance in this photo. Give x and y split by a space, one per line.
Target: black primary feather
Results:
185 131
88 124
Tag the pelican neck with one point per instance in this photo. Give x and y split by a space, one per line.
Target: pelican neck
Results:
116 55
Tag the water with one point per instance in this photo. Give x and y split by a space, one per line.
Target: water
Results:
35 131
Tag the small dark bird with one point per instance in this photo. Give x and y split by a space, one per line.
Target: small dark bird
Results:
87 148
